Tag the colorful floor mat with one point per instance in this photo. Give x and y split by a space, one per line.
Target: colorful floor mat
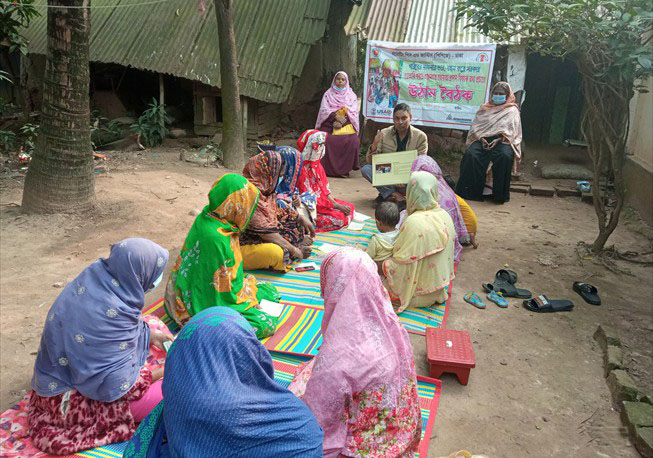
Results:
298 331
429 391
303 288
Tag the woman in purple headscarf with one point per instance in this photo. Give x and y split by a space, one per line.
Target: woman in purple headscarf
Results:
90 378
446 199
338 117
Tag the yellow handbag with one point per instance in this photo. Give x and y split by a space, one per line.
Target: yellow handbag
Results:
346 130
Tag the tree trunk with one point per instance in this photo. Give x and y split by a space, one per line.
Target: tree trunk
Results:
605 126
232 146
60 176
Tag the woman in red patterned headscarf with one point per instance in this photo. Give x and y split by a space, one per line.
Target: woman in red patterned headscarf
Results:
332 214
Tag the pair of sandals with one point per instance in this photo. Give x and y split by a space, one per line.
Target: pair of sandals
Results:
476 301
504 283
502 287
543 304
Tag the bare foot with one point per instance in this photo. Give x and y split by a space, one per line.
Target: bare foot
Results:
472 239
308 240
306 252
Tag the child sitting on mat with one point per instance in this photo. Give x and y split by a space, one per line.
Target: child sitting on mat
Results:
387 218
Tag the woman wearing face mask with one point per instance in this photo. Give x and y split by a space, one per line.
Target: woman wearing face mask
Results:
338 117
495 137
92 381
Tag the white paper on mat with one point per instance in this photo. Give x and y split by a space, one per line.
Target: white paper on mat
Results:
360 217
355 226
327 247
271 308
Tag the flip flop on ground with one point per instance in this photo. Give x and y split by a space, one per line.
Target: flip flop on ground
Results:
475 300
498 299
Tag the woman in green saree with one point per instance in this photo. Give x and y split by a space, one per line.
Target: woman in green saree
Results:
209 269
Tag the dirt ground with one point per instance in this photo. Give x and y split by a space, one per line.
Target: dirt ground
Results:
538 387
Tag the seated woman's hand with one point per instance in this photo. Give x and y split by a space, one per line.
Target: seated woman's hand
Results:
493 143
296 254
343 208
157 374
157 339
308 226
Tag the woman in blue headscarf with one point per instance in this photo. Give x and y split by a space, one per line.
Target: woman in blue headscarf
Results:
90 374
220 399
288 194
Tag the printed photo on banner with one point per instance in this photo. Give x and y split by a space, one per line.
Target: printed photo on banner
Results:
444 84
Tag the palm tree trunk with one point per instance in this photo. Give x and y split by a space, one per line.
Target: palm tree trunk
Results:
232 146
60 177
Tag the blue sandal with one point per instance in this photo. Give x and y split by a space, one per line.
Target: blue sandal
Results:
498 299
474 299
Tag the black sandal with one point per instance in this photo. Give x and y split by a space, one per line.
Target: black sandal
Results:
588 292
504 283
507 289
542 304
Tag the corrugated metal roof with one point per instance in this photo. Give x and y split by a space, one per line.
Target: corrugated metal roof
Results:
273 38
356 21
413 21
434 21
385 20
388 20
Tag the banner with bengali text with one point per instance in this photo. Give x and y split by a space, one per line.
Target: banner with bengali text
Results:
443 83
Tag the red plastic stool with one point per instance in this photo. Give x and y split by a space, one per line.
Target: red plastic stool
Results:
449 351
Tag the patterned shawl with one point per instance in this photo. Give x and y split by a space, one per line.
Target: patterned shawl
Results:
446 199
292 165
95 340
264 171
333 100
370 362
209 269
493 120
220 399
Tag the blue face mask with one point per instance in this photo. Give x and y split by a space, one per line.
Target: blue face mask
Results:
498 99
156 282
339 89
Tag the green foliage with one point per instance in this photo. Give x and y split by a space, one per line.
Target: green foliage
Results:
359 81
610 43
610 37
14 16
28 134
151 126
104 131
7 141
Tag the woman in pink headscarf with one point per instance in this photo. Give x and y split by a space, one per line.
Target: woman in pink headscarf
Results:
361 386
338 117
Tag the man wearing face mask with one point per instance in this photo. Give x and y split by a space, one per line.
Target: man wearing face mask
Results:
495 137
401 136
